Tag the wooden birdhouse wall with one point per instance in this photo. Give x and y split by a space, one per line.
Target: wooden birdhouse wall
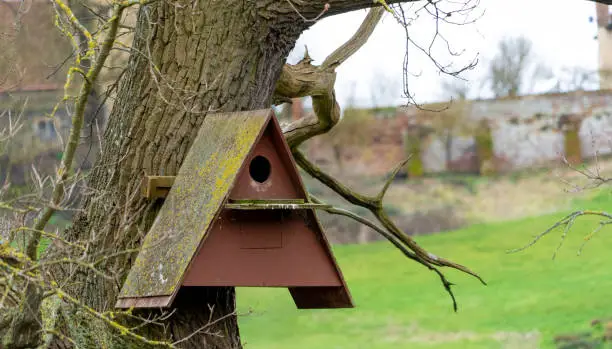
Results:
262 248
250 244
266 175
264 232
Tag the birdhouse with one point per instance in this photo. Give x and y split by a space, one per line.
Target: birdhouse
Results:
236 214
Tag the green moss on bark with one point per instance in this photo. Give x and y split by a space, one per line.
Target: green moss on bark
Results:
572 147
484 149
412 141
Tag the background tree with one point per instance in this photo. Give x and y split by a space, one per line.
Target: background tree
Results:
514 69
575 79
457 88
383 90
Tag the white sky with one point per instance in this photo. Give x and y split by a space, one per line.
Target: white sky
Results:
560 30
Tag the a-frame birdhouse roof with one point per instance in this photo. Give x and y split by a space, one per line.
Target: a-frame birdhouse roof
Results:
198 202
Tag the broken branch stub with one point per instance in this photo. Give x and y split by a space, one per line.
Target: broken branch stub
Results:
304 79
301 80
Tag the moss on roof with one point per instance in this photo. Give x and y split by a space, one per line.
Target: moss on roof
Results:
199 191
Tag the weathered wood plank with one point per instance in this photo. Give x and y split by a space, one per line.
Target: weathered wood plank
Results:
145 302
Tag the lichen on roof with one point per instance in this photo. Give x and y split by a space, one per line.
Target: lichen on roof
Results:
200 189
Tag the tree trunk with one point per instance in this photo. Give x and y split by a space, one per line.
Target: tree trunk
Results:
189 59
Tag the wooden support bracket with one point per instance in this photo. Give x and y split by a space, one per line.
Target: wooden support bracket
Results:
154 187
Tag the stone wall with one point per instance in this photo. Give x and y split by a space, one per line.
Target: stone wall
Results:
526 132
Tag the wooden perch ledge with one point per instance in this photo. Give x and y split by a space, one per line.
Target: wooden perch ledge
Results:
274 205
158 187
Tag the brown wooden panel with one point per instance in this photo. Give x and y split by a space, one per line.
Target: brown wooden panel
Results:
321 297
144 302
302 260
255 229
279 184
271 247
200 190
342 294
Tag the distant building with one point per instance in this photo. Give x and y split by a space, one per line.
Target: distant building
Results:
32 75
33 50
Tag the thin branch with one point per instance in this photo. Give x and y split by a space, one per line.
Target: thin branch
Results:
567 222
391 238
375 206
75 131
344 52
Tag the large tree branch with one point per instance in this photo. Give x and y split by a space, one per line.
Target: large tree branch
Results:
358 39
312 9
389 230
375 205
391 238
304 79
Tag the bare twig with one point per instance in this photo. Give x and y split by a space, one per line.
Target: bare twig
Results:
395 235
433 8
77 121
566 223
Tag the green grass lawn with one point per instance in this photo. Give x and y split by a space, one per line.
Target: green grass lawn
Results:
400 304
